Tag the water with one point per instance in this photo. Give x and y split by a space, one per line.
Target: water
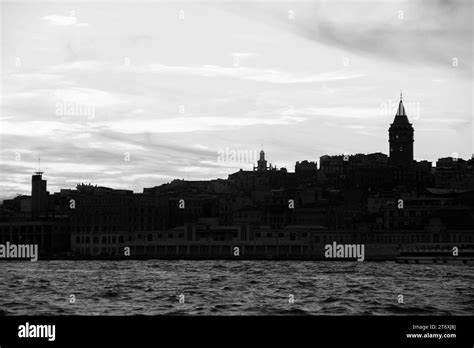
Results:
234 288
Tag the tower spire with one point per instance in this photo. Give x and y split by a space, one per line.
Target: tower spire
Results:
401 108
39 172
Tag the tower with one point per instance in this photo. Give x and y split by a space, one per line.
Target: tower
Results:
39 195
261 163
401 138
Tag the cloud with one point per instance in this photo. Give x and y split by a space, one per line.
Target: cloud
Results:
419 31
339 112
80 65
239 72
240 57
63 20
192 124
243 73
86 96
244 54
38 128
256 74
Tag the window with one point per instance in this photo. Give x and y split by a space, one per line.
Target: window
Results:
150 237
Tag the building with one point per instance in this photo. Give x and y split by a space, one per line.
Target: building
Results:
39 195
306 172
28 220
262 163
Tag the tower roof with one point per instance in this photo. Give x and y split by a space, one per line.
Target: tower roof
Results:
401 109
401 116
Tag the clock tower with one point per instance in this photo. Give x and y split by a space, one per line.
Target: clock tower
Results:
401 139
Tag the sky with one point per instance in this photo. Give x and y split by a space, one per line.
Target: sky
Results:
134 94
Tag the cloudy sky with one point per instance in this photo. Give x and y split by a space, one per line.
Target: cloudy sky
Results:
137 93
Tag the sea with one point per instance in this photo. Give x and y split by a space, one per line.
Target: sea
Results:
158 287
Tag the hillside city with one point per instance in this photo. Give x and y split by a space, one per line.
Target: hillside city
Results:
380 200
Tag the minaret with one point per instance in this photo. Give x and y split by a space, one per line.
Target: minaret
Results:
401 138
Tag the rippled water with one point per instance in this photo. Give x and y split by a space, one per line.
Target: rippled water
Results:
234 288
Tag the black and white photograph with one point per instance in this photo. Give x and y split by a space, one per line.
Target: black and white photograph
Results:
186 172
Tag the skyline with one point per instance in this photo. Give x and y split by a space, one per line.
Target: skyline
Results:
255 166
303 83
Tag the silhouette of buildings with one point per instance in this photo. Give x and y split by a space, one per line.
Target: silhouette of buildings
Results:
379 200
